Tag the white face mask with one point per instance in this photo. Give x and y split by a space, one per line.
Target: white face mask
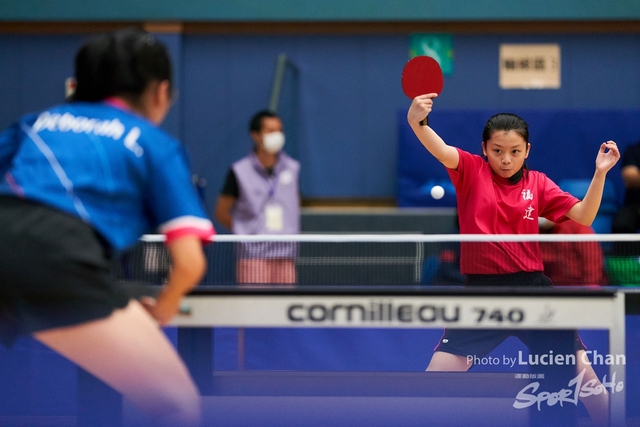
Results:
273 142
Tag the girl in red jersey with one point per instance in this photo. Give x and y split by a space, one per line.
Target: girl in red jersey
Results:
499 195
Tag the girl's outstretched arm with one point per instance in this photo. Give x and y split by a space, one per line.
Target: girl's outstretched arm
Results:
188 265
585 211
420 108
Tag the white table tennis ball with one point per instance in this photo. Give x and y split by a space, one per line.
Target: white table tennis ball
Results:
437 192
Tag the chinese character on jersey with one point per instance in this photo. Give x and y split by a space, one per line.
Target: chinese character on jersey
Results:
528 212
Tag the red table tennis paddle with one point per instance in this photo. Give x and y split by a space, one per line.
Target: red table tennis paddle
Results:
422 75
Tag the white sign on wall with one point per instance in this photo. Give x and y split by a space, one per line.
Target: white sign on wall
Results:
530 66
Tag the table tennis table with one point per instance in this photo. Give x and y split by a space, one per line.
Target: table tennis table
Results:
397 307
557 309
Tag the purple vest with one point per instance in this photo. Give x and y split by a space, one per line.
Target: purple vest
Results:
259 192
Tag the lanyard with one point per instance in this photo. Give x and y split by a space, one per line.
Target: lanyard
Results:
271 179
273 182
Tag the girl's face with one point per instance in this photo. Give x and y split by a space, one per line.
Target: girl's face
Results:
506 152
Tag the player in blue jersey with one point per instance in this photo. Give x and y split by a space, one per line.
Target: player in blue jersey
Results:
79 183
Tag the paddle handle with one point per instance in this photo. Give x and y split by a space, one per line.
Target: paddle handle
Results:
425 122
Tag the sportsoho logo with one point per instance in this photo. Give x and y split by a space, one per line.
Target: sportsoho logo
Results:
375 311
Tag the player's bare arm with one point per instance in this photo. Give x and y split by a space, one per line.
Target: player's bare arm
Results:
419 109
188 265
585 211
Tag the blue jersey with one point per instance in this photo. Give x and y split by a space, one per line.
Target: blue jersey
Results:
111 168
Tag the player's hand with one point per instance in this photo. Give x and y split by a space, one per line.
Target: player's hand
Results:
608 156
164 308
420 108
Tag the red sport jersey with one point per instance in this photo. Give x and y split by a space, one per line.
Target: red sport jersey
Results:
490 204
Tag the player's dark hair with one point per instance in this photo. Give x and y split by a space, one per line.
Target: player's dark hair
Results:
507 122
255 124
122 63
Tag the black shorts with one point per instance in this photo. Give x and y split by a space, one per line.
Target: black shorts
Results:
480 342
55 270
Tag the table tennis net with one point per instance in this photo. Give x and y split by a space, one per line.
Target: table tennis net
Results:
389 259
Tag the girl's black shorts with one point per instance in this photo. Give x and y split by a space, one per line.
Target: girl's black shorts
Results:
55 270
480 342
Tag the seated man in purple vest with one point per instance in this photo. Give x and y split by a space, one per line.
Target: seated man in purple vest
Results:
261 196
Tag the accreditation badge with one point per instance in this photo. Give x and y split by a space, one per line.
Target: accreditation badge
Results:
274 216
